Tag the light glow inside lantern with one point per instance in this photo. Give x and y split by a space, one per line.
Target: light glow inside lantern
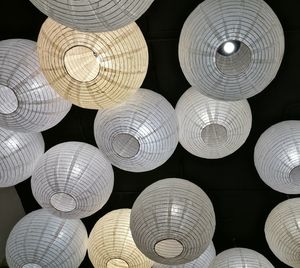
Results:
111 244
231 49
93 70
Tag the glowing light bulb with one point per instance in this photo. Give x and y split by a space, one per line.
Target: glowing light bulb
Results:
229 47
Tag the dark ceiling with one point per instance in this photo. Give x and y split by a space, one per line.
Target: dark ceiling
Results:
241 200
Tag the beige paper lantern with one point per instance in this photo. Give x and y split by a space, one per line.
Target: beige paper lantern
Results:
283 233
27 102
202 262
240 257
231 49
277 157
210 128
93 15
172 221
111 244
41 240
93 70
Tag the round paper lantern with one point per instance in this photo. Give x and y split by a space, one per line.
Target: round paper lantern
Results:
211 128
231 49
202 262
41 239
111 244
93 70
282 232
140 134
172 221
27 102
72 180
240 257
277 157
19 153
95 15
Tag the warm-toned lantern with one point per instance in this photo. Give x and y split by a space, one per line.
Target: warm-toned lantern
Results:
93 70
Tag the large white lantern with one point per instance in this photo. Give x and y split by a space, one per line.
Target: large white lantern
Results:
202 262
231 49
19 153
93 15
140 134
240 257
111 244
41 239
277 157
93 70
211 128
172 221
27 102
72 180
283 233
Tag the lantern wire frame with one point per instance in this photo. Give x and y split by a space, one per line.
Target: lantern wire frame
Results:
19 154
277 157
93 16
282 231
140 134
202 262
240 257
93 70
111 244
27 101
72 180
254 31
210 128
41 239
172 221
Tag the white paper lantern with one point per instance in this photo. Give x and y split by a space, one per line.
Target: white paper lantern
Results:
111 244
140 134
93 70
172 221
202 262
27 102
19 153
277 157
211 128
72 180
240 257
283 233
93 15
231 49
41 239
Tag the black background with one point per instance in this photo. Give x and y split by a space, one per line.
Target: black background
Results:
241 200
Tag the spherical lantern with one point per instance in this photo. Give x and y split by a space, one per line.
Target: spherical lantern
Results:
282 232
95 15
19 153
231 49
172 221
41 239
202 262
240 257
211 128
111 244
93 70
27 102
140 134
72 180
277 157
